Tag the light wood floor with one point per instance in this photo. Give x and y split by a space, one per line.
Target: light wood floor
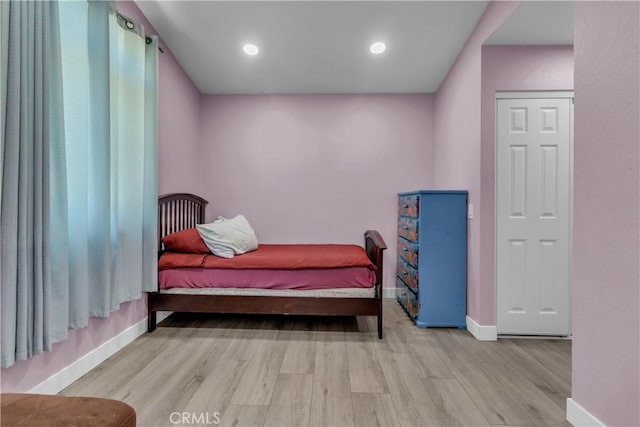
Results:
297 371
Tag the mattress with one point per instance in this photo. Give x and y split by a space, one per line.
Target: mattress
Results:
302 279
315 293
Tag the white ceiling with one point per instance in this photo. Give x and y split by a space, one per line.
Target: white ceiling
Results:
314 46
537 22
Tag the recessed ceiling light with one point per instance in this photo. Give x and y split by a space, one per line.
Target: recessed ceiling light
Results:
377 48
250 49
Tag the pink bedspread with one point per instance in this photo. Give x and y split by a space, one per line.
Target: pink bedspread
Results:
276 257
305 279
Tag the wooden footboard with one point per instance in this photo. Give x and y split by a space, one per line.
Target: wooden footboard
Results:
193 208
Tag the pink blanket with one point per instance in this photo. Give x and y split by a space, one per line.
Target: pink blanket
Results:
330 278
275 257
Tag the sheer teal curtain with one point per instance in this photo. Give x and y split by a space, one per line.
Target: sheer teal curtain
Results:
110 89
79 167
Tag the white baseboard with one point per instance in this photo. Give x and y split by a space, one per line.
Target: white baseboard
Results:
61 379
482 332
67 375
388 292
580 417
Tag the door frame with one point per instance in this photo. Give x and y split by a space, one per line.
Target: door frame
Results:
533 94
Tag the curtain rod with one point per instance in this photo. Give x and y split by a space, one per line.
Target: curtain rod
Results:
128 24
147 40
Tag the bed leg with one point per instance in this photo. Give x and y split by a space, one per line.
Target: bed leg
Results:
380 318
151 321
151 315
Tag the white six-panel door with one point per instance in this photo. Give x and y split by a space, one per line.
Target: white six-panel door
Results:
533 215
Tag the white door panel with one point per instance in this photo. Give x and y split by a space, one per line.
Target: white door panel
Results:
533 216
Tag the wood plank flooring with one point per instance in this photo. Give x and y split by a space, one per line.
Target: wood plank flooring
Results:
323 371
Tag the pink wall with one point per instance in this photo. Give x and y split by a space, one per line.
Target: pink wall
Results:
457 136
26 374
316 168
508 68
606 255
178 144
178 107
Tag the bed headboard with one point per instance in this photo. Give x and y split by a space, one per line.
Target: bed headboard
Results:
177 211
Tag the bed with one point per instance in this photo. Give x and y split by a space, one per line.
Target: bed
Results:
182 211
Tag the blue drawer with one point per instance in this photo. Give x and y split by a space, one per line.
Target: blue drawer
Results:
407 273
406 299
409 251
401 291
408 228
408 205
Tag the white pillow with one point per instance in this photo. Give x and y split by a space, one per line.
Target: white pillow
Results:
226 237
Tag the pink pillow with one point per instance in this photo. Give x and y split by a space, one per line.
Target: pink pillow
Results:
185 241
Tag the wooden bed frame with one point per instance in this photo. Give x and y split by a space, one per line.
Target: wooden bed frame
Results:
181 210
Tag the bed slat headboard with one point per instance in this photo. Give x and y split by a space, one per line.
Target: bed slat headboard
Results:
178 211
